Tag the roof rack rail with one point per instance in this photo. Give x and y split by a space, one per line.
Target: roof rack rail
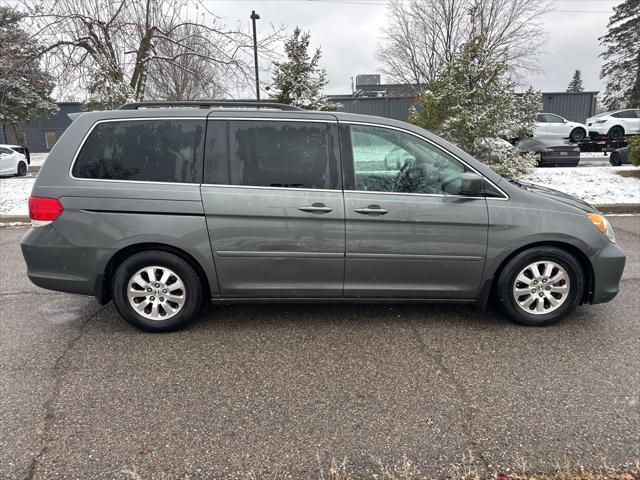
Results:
210 104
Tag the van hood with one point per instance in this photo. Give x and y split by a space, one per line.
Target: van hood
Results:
556 195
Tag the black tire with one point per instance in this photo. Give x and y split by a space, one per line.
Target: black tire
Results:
507 281
616 133
577 134
614 159
192 290
22 169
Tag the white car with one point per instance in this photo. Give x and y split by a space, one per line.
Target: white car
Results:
615 125
12 162
550 126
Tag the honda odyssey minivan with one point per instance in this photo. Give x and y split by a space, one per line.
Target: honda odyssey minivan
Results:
160 207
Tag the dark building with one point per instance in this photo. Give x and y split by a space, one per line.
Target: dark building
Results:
41 134
393 100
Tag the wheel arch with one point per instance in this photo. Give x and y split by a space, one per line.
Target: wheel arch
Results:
103 282
617 125
488 290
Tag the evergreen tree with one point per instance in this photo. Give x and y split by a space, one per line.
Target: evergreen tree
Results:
299 80
24 88
622 56
473 103
634 151
575 85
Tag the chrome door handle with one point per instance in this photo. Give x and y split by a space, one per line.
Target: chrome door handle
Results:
317 208
372 210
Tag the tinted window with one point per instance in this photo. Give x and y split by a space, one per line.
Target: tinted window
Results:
550 118
283 154
386 160
216 163
143 150
625 114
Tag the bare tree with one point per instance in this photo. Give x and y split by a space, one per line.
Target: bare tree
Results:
188 77
108 47
423 35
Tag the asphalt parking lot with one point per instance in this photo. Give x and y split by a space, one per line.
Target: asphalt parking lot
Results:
285 388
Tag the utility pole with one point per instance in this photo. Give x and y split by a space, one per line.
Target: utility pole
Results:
254 17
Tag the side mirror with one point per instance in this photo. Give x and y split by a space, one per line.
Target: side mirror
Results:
472 184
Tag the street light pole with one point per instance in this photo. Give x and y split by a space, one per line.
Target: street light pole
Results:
254 17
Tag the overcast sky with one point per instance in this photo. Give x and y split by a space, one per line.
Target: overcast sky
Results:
348 32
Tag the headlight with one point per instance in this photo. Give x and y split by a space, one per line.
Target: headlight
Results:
603 225
600 121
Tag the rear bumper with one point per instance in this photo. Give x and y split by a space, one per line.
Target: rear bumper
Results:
608 265
55 264
559 160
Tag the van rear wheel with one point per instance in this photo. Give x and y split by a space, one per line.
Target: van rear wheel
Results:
157 291
540 286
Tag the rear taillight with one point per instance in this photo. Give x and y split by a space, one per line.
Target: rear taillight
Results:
43 211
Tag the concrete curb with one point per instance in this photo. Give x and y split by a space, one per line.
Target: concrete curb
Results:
619 208
14 219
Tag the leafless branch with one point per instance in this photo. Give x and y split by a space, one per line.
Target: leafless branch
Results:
422 35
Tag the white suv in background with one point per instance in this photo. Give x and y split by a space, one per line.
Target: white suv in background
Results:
550 126
615 125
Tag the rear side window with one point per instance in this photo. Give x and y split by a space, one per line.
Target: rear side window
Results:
143 150
625 114
283 154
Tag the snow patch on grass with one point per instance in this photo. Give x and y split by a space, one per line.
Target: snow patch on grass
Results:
597 185
14 193
38 158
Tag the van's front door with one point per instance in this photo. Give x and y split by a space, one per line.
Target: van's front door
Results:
274 207
409 232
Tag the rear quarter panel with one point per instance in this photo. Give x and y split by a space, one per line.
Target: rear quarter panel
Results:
102 217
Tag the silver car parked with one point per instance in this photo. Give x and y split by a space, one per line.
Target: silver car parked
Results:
161 208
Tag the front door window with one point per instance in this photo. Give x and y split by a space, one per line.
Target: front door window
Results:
388 160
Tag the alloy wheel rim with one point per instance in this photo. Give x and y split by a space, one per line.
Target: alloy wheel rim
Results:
156 293
541 287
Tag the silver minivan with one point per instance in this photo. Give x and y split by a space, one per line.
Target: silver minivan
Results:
162 206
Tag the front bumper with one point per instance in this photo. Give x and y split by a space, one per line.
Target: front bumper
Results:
608 265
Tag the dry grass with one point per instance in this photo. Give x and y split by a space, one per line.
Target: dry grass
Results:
629 173
406 470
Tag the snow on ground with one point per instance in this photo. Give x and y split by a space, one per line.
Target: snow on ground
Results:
597 185
593 155
14 192
38 158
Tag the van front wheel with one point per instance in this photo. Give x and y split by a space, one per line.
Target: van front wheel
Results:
156 291
540 286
